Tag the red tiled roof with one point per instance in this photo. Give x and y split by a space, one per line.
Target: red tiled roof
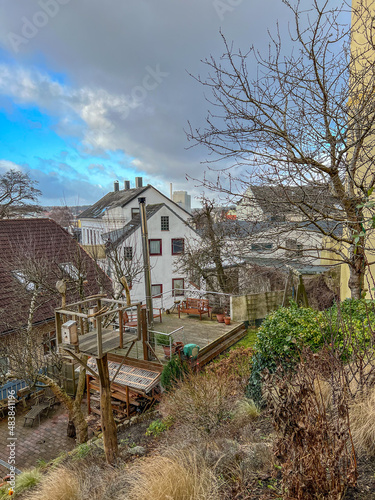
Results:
36 247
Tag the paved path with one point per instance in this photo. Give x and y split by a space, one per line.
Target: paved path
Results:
43 442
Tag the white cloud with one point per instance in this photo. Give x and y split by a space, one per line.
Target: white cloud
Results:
6 165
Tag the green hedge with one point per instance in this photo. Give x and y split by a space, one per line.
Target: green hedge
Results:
280 339
285 332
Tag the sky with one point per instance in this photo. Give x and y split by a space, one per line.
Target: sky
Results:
93 91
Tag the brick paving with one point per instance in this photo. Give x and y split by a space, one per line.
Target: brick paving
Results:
43 442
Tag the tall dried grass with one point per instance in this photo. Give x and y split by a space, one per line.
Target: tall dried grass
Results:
362 422
203 402
60 484
181 475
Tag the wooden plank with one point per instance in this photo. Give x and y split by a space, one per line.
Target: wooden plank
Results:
138 363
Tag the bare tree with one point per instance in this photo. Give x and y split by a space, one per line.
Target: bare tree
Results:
210 255
303 124
125 261
36 270
62 215
18 195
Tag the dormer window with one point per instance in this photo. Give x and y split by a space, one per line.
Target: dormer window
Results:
135 211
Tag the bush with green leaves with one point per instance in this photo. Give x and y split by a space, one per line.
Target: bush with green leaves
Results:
280 339
158 426
173 372
350 325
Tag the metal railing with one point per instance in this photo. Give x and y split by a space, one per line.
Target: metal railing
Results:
171 336
171 298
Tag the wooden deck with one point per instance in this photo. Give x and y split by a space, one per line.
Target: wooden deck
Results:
195 331
110 339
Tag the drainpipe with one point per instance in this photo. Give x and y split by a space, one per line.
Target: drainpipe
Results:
146 262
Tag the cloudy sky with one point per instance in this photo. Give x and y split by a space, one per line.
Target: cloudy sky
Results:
97 90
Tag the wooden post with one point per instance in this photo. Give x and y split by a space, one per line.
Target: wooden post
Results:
144 334
107 420
58 328
121 328
81 320
88 394
127 402
99 331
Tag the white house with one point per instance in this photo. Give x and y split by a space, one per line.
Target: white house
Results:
118 208
114 223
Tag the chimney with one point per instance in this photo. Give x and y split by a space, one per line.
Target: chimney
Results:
116 186
138 182
126 185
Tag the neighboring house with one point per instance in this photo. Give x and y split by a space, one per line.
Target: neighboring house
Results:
167 235
35 254
116 209
286 203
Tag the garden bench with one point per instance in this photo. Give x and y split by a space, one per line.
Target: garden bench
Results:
35 412
194 306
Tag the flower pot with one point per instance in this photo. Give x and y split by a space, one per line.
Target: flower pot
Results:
176 346
227 320
220 318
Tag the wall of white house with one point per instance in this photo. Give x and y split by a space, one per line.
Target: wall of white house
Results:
305 243
164 267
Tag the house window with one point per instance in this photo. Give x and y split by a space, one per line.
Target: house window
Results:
128 253
178 286
135 211
155 247
177 246
294 249
91 240
156 291
164 223
261 247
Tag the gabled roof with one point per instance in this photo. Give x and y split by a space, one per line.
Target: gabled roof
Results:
278 200
114 238
119 235
111 200
246 229
40 247
120 199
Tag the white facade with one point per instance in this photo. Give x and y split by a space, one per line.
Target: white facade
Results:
116 217
166 246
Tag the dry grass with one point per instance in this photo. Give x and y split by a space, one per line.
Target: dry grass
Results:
60 484
203 402
181 475
245 411
362 423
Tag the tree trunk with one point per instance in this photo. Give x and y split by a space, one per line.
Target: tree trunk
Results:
356 283
75 412
108 422
78 417
71 430
357 269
